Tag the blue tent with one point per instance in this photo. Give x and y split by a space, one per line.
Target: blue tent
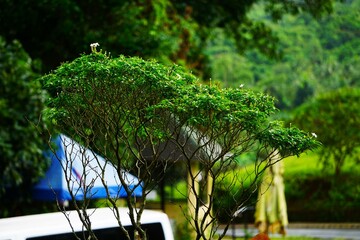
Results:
78 170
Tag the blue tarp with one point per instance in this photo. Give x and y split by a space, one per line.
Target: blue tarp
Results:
78 170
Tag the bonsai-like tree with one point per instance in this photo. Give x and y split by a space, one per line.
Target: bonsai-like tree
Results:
144 116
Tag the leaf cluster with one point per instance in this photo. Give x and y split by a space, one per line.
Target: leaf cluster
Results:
136 99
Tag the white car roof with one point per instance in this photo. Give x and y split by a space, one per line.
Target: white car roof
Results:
55 223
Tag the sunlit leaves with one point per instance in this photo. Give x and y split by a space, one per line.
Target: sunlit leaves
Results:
140 99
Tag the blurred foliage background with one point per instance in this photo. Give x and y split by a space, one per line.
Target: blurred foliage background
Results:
304 53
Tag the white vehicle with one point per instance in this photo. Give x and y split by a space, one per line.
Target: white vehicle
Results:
55 226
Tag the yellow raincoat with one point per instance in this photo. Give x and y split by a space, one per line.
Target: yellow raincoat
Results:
271 209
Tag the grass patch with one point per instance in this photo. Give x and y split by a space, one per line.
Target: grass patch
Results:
306 163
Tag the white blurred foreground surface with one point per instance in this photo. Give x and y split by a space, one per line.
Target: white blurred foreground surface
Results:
103 222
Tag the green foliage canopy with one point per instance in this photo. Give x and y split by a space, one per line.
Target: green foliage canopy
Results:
132 98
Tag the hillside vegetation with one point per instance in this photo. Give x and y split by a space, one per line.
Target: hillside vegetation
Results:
315 56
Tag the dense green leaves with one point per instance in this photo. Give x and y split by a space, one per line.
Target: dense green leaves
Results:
96 95
133 97
21 103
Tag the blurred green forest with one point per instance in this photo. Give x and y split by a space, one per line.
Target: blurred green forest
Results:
316 56
295 53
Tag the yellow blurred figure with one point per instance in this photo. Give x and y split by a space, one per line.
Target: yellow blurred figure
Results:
271 210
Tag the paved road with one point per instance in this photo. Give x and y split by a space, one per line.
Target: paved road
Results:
321 231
